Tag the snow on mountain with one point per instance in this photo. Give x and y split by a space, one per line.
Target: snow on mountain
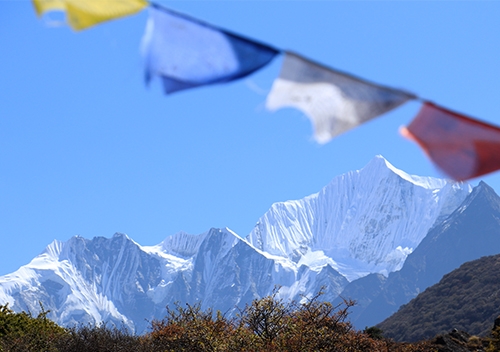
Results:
79 281
180 244
365 221
117 281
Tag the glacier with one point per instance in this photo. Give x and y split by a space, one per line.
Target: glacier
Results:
365 221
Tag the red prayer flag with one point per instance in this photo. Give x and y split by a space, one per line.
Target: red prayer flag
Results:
461 146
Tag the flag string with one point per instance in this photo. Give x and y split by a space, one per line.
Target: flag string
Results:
185 52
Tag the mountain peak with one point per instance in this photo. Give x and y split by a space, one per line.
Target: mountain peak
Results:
482 200
485 190
378 165
120 235
356 219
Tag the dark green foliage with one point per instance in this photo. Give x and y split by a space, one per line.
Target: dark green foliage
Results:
99 338
466 299
374 333
22 332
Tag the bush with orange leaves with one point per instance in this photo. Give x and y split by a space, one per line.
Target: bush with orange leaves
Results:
269 324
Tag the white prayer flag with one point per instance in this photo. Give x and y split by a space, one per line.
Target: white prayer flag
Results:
334 102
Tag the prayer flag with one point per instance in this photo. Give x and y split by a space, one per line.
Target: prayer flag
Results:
334 102
82 14
187 53
42 6
461 146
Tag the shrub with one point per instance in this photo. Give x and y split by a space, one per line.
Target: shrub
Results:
190 329
99 338
23 332
269 324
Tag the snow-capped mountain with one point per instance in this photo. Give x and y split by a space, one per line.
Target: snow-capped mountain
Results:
363 222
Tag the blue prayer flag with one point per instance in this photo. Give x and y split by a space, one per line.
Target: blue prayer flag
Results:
187 53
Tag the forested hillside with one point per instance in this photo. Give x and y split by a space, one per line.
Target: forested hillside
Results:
467 298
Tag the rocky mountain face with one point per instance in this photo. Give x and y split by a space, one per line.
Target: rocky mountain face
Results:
470 232
352 238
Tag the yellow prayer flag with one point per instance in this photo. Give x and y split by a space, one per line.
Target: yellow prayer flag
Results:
82 14
42 6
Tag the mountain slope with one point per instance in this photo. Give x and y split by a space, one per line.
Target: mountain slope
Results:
470 232
466 299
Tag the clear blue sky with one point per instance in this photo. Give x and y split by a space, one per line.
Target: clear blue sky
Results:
86 149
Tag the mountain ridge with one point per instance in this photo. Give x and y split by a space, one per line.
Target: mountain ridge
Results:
362 223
